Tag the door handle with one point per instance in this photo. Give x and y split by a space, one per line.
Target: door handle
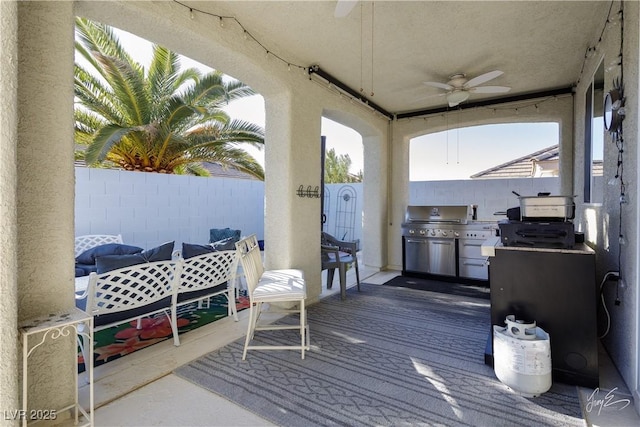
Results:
475 264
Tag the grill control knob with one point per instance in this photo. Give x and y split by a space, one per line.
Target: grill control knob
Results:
422 232
433 232
456 234
412 231
444 234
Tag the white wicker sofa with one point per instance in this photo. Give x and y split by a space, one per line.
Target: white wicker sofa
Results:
132 292
205 276
89 241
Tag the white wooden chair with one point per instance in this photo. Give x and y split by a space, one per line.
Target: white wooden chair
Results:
205 276
271 286
88 241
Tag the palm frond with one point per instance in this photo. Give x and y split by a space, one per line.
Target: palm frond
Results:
104 140
86 124
163 73
236 132
234 158
188 77
195 169
168 120
237 90
100 38
128 87
95 96
210 90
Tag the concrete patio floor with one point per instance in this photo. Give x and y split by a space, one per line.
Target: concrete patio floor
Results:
141 390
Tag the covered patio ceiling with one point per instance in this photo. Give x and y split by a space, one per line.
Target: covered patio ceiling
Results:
389 48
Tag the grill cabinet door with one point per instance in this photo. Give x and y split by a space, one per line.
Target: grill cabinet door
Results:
416 255
442 256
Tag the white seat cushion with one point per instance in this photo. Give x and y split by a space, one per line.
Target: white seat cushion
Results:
277 285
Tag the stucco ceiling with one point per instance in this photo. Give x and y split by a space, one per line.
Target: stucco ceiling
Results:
391 47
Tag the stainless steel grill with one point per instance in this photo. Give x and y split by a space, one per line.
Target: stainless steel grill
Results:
441 240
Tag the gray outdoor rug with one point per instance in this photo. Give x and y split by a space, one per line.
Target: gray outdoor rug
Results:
386 356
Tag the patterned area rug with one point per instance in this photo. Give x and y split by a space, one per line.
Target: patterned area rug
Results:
114 343
386 356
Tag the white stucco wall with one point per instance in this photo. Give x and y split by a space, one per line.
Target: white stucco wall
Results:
602 220
9 384
45 185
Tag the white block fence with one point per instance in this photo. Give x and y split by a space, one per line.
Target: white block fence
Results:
149 209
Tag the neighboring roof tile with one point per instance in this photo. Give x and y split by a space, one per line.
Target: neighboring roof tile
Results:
522 167
220 171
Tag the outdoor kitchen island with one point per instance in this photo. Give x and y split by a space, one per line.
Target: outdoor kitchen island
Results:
557 289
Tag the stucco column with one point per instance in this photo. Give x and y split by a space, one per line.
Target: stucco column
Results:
292 159
45 189
9 385
378 199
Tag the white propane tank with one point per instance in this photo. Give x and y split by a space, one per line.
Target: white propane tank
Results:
522 357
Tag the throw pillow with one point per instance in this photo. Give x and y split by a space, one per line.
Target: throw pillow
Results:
228 244
217 234
190 250
85 268
160 253
113 262
89 256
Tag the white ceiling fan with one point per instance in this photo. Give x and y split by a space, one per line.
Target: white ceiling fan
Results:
459 88
344 8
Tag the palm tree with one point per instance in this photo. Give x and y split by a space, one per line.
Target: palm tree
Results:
162 119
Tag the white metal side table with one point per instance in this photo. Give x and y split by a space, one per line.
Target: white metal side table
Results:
54 326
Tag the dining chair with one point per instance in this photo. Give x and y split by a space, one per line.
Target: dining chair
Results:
276 288
338 254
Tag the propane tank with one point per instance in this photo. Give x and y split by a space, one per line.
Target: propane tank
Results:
522 357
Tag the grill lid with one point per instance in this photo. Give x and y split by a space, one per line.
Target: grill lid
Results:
436 214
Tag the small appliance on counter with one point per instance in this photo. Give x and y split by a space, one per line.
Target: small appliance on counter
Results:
540 221
559 235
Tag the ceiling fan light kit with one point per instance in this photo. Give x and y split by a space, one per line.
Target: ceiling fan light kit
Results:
459 88
457 96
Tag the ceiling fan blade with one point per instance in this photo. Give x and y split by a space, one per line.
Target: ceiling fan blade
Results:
439 85
483 78
344 7
490 89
